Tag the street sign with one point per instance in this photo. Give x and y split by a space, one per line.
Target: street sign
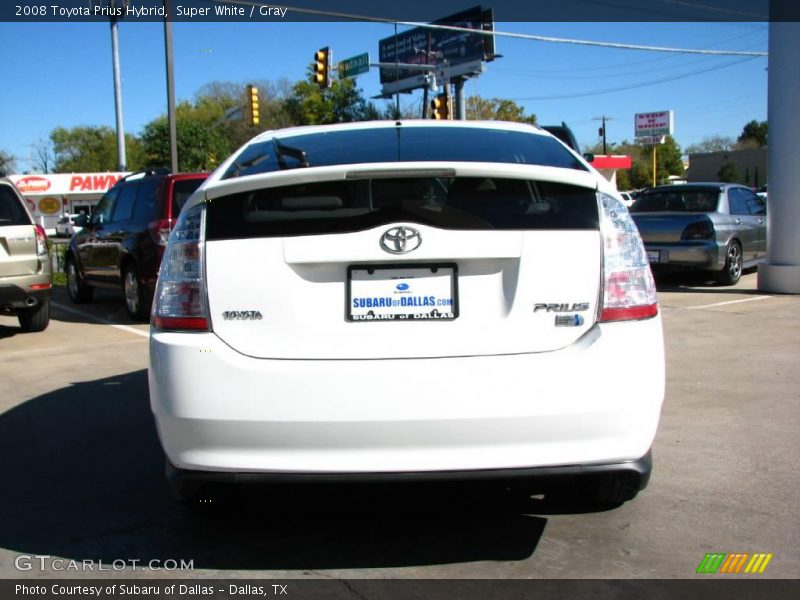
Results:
355 65
654 124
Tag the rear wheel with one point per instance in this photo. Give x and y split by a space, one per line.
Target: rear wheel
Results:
732 271
35 319
79 292
137 300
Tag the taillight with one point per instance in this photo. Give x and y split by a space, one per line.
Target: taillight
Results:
629 291
41 241
180 302
699 230
159 231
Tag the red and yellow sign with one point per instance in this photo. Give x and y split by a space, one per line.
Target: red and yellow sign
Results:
49 205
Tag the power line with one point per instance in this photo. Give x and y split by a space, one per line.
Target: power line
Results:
522 36
634 86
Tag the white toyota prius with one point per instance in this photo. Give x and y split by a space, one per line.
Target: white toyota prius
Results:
407 300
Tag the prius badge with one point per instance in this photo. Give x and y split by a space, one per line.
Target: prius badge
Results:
399 240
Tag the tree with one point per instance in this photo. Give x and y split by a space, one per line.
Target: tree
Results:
754 135
43 159
714 143
7 164
668 162
342 102
497 109
200 139
87 148
729 173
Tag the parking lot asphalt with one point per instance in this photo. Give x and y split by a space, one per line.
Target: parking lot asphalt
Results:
83 471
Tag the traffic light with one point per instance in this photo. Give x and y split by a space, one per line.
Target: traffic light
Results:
322 67
252 105
440 108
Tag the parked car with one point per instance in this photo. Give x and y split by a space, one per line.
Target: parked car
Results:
65 226
715 227
406 300
122 243
25 269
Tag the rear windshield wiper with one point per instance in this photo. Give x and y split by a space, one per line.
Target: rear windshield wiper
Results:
296 153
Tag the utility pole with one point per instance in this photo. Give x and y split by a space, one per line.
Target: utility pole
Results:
121 157
602 131
173 134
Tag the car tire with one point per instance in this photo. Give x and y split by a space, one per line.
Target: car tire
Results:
35 319
732 271
137 300
77 289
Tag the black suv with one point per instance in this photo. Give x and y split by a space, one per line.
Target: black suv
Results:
123 241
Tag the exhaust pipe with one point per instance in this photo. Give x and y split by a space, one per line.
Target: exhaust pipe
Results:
31 301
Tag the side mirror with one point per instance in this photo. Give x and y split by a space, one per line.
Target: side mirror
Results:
588 156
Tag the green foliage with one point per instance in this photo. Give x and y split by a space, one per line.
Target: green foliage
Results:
342 102
668 162
754 134
201 142
87 148
497 109
729 173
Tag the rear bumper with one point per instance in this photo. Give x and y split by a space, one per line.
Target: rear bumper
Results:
636 474
700 255
15 296
218 410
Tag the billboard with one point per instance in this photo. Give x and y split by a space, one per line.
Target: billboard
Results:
654 124
453 53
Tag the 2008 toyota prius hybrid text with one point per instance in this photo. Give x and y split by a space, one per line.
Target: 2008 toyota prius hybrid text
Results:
407 300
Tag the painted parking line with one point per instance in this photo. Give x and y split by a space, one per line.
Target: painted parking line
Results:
69 309
728 302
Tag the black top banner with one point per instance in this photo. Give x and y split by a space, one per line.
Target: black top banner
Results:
409 10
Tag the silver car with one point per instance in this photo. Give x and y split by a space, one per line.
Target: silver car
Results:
25 268
715 227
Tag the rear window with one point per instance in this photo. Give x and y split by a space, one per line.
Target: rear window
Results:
476 203
678 200
11 211
181 190
403 144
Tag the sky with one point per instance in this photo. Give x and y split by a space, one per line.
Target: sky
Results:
60 74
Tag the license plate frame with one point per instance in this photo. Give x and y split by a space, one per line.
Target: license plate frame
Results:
433 295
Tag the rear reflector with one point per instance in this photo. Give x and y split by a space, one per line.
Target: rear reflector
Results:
41 286
181 323
627 314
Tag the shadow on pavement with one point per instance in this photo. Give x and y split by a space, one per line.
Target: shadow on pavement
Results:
84 480
698 282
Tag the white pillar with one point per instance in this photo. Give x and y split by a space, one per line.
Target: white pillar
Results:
781 273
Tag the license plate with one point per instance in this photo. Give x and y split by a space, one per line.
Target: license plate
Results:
654 256
402 293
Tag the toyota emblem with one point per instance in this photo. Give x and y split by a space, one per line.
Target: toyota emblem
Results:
399 240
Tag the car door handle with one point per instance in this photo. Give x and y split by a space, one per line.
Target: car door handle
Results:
738 221
761 221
